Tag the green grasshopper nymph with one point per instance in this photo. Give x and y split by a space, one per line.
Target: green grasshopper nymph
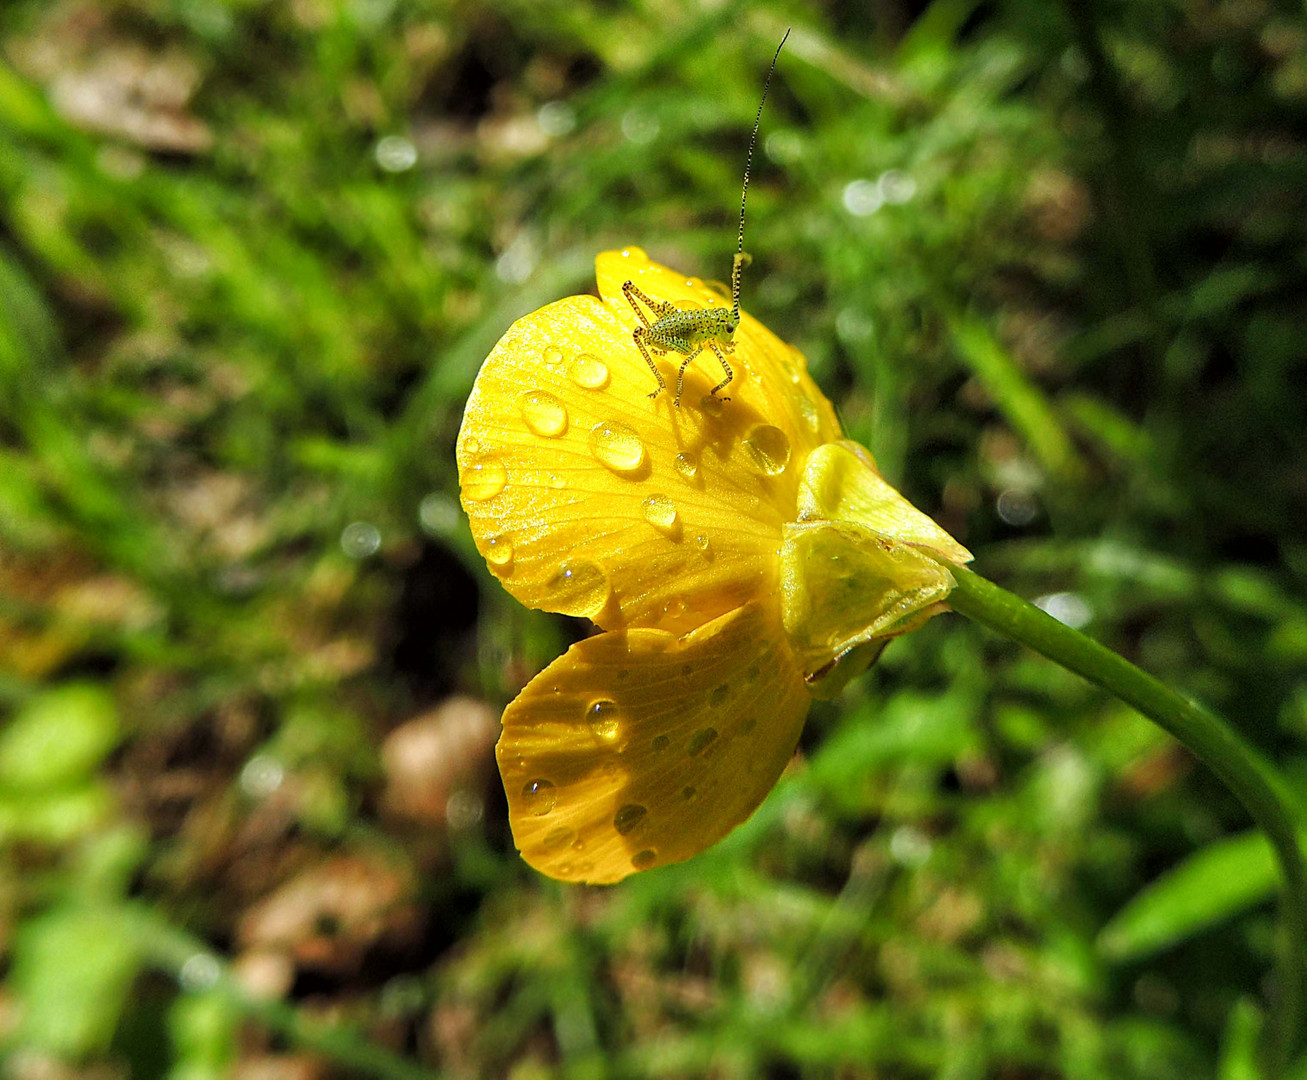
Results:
688 333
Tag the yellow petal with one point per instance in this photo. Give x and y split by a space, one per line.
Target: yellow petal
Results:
840 483
638 748
587 498
843 585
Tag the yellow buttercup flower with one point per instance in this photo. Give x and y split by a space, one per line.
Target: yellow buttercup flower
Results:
739 557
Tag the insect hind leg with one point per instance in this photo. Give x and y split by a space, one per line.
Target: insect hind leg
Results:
725 367
658 307
639 334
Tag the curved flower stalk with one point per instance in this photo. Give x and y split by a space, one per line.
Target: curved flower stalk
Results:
740 558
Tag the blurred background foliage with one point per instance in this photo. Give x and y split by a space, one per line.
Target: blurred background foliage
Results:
1047 258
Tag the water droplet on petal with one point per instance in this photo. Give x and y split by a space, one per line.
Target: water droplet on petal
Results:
811 418
553 359
642 860
675 607
484 480
558 838
579 588
602 716
701 740
472 445
544 414
628 817
702 543
588 372
688 793
539 796
660 512
711 406
718 695
616 446
556 482
499 554
660 743
767 450
687 465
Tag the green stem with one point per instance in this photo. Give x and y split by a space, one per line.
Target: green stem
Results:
1252 780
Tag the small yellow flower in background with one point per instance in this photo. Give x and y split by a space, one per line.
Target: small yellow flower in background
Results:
740 557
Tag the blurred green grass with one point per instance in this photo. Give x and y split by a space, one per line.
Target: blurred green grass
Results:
1047 261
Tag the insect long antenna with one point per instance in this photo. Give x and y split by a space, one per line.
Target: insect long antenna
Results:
740 258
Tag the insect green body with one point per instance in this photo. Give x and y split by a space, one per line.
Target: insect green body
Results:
688 332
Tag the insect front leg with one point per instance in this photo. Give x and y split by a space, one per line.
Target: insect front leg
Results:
726 367
640 334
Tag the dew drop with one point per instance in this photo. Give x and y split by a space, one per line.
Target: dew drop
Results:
616 446
675 607
544 414
558 838
767 450
499 553
687 465
553 359
588 372
711 406
642 860
688 793
579 588
702 543
660 743
660 512
687 670
701 740
539 795
484 480
472 445
556 482
718 695
628 817
811 418
602 717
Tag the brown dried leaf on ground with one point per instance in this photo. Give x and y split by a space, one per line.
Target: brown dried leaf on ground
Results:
328 917
103 82
431 757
